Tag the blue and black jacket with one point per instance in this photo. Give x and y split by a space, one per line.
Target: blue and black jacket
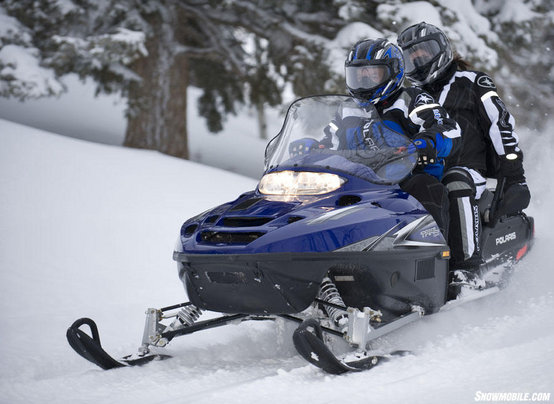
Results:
411 112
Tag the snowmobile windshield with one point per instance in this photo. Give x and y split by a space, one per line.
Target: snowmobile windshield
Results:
333 133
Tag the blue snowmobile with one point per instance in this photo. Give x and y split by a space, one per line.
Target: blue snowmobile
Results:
328 240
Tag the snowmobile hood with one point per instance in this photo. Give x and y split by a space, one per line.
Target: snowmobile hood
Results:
257 223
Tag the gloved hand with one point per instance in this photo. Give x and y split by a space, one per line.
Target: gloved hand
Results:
427 153
304 146
511 168
516 197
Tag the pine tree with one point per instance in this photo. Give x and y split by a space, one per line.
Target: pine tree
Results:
152 51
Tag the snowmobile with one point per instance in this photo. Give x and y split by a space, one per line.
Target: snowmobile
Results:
327 240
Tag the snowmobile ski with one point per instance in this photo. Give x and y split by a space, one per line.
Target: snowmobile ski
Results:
155 335
308 341
90 348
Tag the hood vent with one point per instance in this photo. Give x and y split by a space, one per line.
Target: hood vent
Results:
245 221
347 200
220 237
244 204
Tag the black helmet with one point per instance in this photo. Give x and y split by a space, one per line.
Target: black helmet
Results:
374 70
427 52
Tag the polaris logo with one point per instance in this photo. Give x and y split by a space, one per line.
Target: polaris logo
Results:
506 238
423 98
485 81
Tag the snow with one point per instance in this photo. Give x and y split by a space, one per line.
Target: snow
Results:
467 33
10 28
89 230
65 6
65 115
21 71
80 114
135 39
518 12
411 13
339 47
470 31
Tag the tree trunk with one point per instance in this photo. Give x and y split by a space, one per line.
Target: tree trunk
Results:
262 121
157 116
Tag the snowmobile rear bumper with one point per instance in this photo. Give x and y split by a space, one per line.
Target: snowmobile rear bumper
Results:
287 283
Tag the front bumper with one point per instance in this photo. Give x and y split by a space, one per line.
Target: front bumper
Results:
287 283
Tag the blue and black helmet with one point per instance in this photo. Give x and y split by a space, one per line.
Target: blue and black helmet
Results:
374 70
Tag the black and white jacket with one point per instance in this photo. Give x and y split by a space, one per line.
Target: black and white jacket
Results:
488 133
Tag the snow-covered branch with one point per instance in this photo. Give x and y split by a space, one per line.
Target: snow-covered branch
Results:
22 76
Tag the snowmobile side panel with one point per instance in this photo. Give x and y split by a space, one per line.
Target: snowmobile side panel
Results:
504 241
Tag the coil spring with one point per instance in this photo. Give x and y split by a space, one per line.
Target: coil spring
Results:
189 314
329 293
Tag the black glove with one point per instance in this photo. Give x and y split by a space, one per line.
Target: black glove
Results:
516 197
427 153
511 168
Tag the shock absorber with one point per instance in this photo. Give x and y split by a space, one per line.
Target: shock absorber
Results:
189 314
153 328
185 317
329 293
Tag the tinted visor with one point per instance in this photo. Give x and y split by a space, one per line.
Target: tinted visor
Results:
420 54
366 76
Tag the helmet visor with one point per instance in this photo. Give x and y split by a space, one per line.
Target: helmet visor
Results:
366 76
420 54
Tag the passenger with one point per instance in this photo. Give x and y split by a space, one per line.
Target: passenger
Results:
490 145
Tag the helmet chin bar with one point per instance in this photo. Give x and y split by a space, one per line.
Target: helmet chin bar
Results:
372 95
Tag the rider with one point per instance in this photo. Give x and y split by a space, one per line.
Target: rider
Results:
490 144
374 71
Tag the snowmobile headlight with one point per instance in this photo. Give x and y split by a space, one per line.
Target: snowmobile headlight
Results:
299 183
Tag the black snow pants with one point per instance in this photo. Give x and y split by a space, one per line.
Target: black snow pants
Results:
432 194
